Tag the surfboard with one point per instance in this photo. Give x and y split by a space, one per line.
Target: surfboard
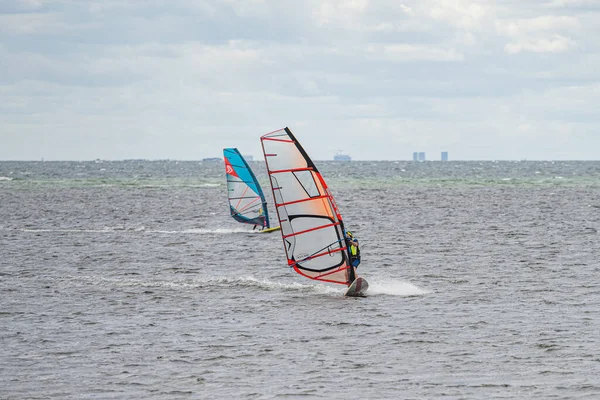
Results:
358 288
269 230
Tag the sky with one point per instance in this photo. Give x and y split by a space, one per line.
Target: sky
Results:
378 80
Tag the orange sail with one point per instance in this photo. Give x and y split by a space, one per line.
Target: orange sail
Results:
311 225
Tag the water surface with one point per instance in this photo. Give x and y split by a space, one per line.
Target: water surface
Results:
130 280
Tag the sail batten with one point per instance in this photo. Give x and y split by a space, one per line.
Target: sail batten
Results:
311 227
281 171
240 181
303 200
246 197
279 140
310 230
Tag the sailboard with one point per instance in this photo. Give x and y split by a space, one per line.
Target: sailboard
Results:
247 202
312 228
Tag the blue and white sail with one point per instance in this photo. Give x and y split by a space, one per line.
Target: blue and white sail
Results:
246 199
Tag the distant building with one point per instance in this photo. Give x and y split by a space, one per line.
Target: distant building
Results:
249 158
415 156
421 156
342 157
444 156
211 159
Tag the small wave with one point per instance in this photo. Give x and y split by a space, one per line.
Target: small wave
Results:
212 282
101 230
128 282
294 287
5 178
394 288
142 229
200 230
266 284
68 230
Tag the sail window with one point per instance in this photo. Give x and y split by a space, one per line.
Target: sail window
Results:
307 181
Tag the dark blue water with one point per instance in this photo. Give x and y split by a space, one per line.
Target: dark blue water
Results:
130 280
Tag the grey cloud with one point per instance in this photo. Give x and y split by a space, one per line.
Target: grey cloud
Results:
160 78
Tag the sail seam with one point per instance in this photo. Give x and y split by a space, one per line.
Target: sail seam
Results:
281 171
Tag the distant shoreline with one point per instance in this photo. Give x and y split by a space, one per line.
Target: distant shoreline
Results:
317 160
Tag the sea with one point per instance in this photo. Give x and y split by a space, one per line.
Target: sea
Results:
130 280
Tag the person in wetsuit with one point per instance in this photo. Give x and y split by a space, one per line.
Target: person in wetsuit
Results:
353 249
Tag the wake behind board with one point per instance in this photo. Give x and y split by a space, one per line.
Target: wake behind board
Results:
358 288
268 230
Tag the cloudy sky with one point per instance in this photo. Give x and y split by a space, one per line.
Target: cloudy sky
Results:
377 79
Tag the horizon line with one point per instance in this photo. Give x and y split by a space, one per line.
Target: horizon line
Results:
216 159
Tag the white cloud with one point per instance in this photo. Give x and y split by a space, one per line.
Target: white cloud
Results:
31 24
544 34
574 3
340 11
543 24
406 9
554 44
21 5
407 52
183 79
466 14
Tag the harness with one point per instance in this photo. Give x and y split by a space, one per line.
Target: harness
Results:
354 250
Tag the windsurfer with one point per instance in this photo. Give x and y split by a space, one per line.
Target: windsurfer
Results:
354 249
